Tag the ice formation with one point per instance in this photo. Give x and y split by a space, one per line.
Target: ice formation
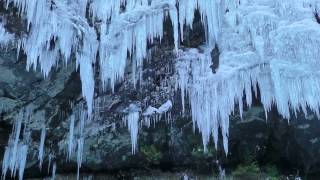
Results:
50 159
131 32
155 114
41 146
5 37
60 28
54 169
272 45
80 141
16 152
71 137
132 121
133 116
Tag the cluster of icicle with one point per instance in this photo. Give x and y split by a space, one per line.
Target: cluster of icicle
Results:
15 156
58 29
270 44
76 137
273 46
151 114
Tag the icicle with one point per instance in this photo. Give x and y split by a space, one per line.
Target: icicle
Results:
86 58
132 120
79 156
133 126
54 169
80 141
12 149
71 137
51 156
41 145
5 37
22 159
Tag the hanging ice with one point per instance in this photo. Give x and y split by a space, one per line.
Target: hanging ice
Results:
132 121
61 28
131 32
51 156
270 58
272 45
79 155
16 152
41 145
5 37
71 137
54 169
80 142
152 113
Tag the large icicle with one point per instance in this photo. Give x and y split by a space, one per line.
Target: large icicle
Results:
80 141
41 145
54 169
86 58
71 137
132 120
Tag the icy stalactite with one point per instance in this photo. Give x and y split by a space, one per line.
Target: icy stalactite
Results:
54 169
22 158
80 142
79 155
71 137
132 121
50 160
133 126
86 58
42 145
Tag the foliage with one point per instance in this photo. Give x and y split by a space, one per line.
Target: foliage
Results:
244 170
152 154
272 172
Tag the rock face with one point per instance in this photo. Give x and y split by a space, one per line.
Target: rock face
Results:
170 145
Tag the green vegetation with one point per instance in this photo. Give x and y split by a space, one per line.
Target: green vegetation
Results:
272 172
200 154
152 154
250 170
254 171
